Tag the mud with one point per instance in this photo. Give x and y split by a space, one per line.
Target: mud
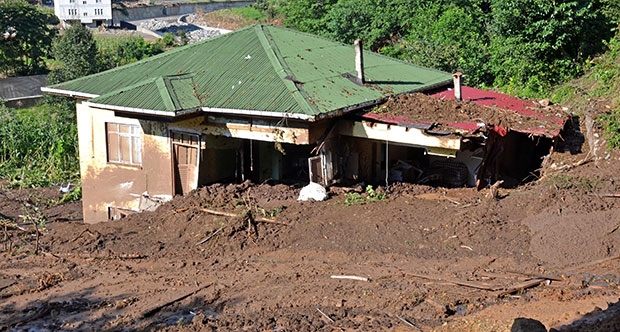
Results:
434 258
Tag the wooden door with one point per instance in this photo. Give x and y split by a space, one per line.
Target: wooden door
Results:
185 148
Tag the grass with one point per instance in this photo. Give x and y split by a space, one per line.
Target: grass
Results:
38 147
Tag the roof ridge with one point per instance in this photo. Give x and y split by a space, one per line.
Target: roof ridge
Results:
282 69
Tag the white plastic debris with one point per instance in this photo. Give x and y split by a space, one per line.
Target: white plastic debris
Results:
313 191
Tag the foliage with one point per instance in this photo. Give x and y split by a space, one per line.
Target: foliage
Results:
584 185
250 13
25 37
38 147
451 39
76 51
118 51
370 195
539 43
522 46
611 125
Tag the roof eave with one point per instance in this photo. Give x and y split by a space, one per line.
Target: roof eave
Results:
140 110
69 93
296 116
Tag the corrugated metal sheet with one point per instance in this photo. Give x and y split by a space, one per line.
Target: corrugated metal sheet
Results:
260 68
21 87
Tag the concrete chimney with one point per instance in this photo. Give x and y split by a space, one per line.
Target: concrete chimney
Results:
359 61
456 77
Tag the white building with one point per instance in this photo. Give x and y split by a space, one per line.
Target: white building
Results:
88 12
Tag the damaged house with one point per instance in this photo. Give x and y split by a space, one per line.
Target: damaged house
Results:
261 103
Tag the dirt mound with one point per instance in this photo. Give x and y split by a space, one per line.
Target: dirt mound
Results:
232 257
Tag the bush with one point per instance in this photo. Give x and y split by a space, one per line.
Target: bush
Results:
38 147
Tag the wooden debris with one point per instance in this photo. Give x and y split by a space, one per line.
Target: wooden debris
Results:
504 290
153 310
494 190
522 286
349 277
82 233
410 324
324 315
596 262
456 282
230 214
210 236
611 195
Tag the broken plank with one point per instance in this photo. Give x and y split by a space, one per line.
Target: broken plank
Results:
219 213
522 286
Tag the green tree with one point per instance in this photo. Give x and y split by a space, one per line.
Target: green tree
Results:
539 43
451 38
25 37
306 15
76 51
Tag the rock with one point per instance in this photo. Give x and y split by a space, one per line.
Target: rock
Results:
544 102
527 325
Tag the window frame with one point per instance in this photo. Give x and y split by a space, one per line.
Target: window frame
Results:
115 138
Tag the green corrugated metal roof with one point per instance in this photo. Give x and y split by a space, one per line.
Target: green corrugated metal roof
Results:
262 68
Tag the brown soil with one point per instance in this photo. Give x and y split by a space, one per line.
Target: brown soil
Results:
435 259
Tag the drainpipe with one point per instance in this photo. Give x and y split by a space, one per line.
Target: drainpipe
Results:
456 77
359 61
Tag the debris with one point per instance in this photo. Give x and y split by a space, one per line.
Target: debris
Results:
158 307
324 315
494 190
522 286
229 214
409 323
457 282
313 191
350 277
210 236
467 247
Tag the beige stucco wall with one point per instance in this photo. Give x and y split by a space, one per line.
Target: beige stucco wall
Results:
106 184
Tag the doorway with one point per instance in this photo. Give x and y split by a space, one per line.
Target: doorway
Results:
185 148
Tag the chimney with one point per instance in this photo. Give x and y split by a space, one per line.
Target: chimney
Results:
359 61
456 77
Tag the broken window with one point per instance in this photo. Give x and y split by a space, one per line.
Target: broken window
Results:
124 144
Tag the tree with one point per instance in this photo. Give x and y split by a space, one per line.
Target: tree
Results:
76 51
25 37
451 38
539 43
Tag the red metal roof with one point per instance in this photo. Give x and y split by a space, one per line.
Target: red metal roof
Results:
500 100
481 98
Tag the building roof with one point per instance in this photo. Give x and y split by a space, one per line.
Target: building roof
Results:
260 70
440 112
21 87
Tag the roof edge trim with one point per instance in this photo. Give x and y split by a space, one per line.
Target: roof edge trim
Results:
69 93
139 110
260 113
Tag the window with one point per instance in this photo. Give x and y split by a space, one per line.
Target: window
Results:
97 1
83 2
124 144
98 11
73 12
71 1
85 14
